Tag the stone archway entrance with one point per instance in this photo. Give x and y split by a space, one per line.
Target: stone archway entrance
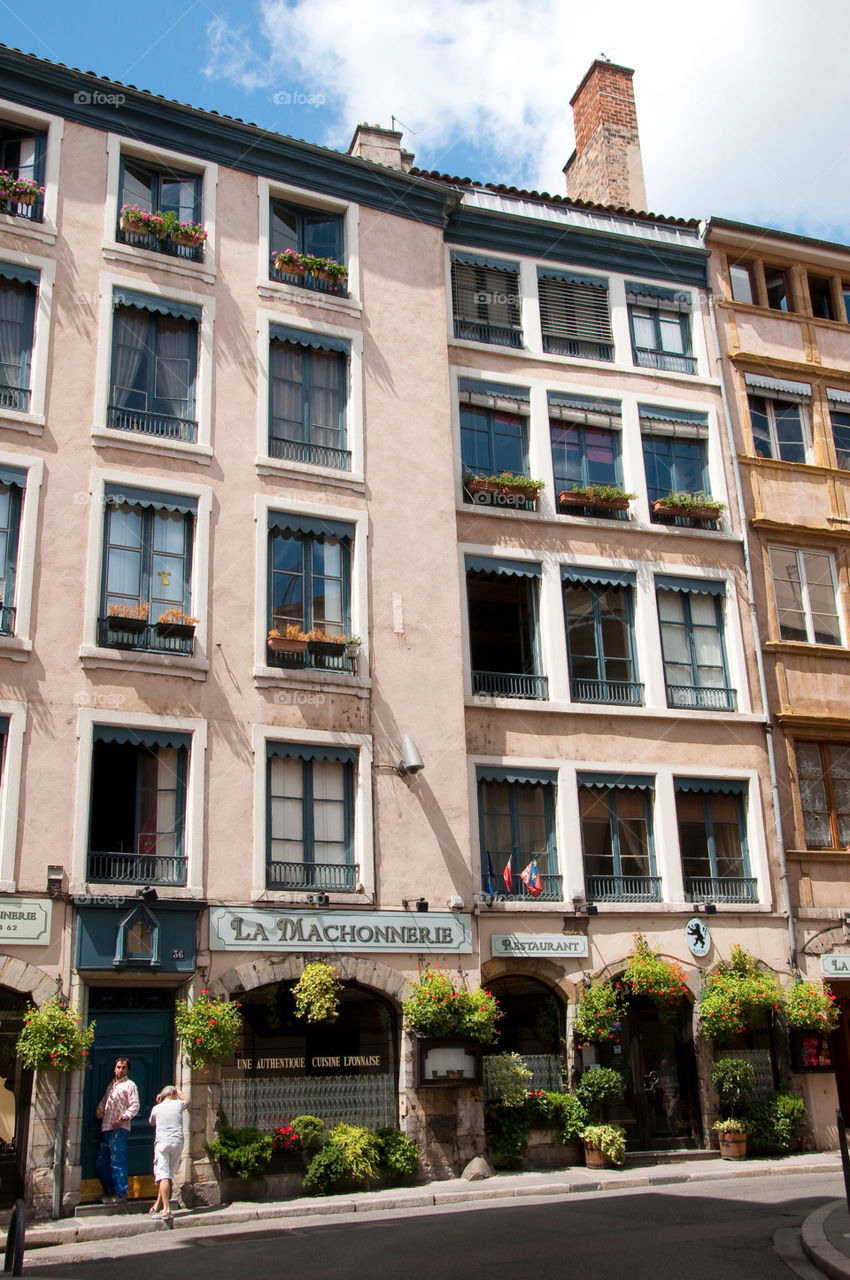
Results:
533 1025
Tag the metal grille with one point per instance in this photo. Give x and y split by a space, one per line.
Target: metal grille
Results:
550 888
318 661
649 359
308 281
195 253
112 635
624 888
267 1103
506 684
311 875
7 620
136 868
574 319
759 1060
15 398
619 692
152 424
317 455
720 888
485 304
708 699
546 1073
33 212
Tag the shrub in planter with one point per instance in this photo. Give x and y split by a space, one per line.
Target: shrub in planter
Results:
284 1139
53 1036
350 1155
508 1131
774 1122
509 1078
610 1139
317 993
246 1152
811 1007
208 1030
648 974
598 1087
398 1155
436 1007
734 1080
328 1170
570 1115
599 1010
311 1132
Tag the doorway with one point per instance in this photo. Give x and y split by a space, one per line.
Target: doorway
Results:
15 1095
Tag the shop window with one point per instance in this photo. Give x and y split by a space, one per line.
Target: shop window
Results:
712 839
502 597
519 860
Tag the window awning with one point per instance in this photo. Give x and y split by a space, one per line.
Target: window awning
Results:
835 396
120 495
310 751
286 522
588 411
653 295
695 586
161 306
24 275
13 475
716 786
493 395
599 577
512 568
616 781
571 277
471 259
142 737
678 422
778 386
306 338
506 773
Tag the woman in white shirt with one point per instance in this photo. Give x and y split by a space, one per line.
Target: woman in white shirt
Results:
167 1115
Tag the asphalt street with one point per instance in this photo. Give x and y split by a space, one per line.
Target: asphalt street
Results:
724 1228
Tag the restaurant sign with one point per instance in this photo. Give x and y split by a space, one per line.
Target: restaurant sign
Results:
25 922
539 944
270 929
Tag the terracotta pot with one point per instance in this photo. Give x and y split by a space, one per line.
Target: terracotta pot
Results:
282 644
733 1145
186 237
132 226
595 1158
663 508
598 504
476 485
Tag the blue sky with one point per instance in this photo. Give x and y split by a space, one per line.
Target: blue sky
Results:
742 105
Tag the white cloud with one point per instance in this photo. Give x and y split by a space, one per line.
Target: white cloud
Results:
741 106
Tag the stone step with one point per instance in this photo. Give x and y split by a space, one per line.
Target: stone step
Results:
640 1158
97 1210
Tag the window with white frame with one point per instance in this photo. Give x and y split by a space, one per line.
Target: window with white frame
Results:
690 615
516 814
302 240
18 297
309 591
22 163
585 435
486 301
778 416
308 393
806 595
660 323
616 836
575 318
13 482
503 606
154 366
160 208
712 821
310 817
675 460
599 609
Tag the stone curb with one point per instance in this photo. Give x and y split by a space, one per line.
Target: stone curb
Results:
818 1249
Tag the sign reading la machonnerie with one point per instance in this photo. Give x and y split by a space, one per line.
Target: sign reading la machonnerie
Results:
276 929
539 944
25 922
835 966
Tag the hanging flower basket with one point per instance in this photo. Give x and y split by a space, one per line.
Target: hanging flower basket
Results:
208 1030
649 974
810 1006
438 1008
53 1037
736 994
316 993
599 1011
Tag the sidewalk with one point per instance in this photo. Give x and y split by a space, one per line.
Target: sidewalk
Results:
819 1237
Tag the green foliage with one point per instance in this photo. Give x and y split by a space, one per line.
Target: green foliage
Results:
317 993
360 1148
734 1124
681 498
398 1154
649 975
600 1086
736 993
246 1151
734 1079
602 492
508 1131
311 1132
509 479
811 1006
208 1030
609 1138
570 1116
509 1127
327 1170
600 1008
53 1036
774 1122
435 1007
509 1077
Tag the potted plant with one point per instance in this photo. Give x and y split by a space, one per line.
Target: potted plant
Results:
289 262
696 506
731 1137
352 646
293 640
508 483
135 221
600 497
244 1153
734 1080
176 623
604 1146
649 974
18 190
207 1030
735 994
316 993
598 1087
190 233
810 1006
53 1036
324 645
600 1009
125 617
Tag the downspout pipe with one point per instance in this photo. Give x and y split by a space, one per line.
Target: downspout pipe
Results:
59 1145
768 727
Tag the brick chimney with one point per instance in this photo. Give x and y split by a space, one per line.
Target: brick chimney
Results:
383 146
606 167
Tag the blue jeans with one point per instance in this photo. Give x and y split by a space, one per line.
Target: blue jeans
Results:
111 1162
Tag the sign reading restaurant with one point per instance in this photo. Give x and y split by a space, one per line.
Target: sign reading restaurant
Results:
539 944
275 929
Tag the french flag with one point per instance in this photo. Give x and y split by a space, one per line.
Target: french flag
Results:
508 877
530 876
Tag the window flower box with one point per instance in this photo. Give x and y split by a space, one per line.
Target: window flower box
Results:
323 645
122 617
691 506
506 485
18 190
191 234
597 497
287 644
140 222
176 624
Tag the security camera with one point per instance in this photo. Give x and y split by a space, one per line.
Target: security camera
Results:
411 761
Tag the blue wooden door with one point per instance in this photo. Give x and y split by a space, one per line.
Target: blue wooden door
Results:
137 1024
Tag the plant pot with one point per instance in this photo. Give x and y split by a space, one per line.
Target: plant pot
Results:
187 238
324 648
733 1145
595 1158
134 625
662 508
327 278
132 226
283 644
475 485
28 197
177 630
352 650
568 499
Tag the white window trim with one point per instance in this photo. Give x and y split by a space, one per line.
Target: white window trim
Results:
193 836
798 553
118 146
140 442
33 420
350 213
353 407
91 653
363 837
19 644
359 583
10 791
54 127
633 443
770 398
564 847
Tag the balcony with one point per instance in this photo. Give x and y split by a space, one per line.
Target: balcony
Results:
315 661
316 455
308 281
648 358
580 347
551 890
688 697
136 868
623 888
136 634
506 684
328 877
720 889
152 424
157 244
618 693
497 334
15 398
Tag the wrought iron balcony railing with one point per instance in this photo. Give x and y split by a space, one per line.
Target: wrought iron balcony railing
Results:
551 889
691 698
315 661
510 684
316 455
337 288
623 888
497 334
164 244
720 888
15 398
152 424
327 876
581 347
7 620
32 212
136 868
621 693
651 359
133 633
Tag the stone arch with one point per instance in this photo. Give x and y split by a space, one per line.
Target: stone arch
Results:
27 979
546 971
362 970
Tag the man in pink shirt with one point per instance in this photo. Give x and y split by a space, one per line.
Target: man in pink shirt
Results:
116 1110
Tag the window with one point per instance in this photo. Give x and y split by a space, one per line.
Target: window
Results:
154 366
585 434
308 231
600 636
777 284
12 485
661 328
516 813
502 597
22 155
147 564
778 418
493 431
18 289
839 417
486 300
308 384
690 613
712 839
820 295
845 294
574 315
742 278
823 771
160 191
310 586
310 817
616 838
804 587
138 806
675 458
